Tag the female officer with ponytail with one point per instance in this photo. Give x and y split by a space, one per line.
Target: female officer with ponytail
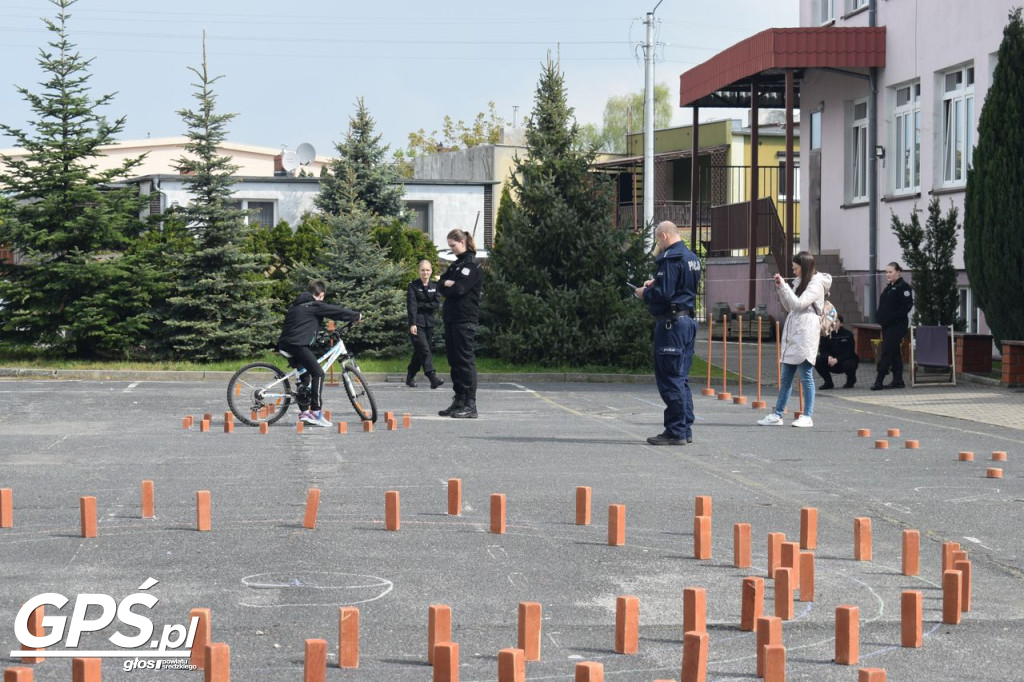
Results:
460 285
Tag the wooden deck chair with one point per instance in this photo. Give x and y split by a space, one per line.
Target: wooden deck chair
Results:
932 356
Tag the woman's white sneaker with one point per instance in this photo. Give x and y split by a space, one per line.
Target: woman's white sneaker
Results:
771 420
803 422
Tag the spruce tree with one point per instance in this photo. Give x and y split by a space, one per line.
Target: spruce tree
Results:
220 309
555 288
928 253
73 290
994 203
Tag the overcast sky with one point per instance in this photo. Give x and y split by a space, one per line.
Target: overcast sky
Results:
292 71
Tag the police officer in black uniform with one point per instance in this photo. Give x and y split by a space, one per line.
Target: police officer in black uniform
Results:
836 355
893 313
671 297
461 285
421 300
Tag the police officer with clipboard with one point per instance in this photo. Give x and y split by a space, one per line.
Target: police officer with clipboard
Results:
671 297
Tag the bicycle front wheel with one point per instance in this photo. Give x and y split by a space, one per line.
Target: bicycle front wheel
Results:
259 394
359 394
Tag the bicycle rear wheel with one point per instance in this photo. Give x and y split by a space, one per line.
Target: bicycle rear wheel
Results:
258 395
359 394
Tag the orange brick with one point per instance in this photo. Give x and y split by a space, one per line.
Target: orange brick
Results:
741 545
392 424
583 496
589 672
769 632
616 525
6 508
947 554
911 614
228 417
327 415
264 428
203 510
964 566
348 637
315 666
446 662
775 541
994 472
34 625
695 657
966 456
847 635
775 663
627 625
147 499
342 427
911 445
702 537
406 421
299 428
312 508
87 511
204 426
229 427
911 552
392 511
881 445
862 538
454 497
871 675
752 605
202 637
367 426
439 628
695 609
702 506
389 416
864 433
511 665
809 528
791 560
806 576
784 593
218 663
18 675
186 422
529 629
86 670
725 396
893 433
999 456
498 508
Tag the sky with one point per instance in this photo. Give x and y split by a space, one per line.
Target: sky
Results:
292 72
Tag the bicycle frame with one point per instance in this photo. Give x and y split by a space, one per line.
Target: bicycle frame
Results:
326 361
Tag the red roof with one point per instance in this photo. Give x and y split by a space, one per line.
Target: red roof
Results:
769 53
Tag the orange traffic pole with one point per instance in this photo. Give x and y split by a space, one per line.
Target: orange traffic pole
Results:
738 399
778 360
725 352
711 329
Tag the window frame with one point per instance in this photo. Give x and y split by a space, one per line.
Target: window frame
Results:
859 154
427 207
956 136
906 160
243 205
825 11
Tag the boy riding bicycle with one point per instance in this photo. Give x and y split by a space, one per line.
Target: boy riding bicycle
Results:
301 323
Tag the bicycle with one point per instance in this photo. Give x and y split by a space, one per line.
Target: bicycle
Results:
261 393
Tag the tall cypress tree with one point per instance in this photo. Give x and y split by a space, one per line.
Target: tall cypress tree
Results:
73 291
994 203
556 281
221 308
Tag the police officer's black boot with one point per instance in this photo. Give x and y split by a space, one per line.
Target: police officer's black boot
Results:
457 403
879 378
435 380
409 379
467 411
897 380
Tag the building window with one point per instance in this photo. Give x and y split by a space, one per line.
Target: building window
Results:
825 10
782 177
854 5
858 164
907 144
816 129
420 215
957 125
259 212
967 310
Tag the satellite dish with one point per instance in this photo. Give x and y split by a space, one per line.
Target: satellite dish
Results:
289 161
306 154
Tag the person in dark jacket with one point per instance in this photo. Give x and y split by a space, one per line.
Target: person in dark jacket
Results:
837 355
461 285
298 333
421 300
893 315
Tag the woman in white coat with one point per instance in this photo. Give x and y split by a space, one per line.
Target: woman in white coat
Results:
804 302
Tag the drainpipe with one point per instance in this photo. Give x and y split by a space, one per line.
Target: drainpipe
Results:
872 179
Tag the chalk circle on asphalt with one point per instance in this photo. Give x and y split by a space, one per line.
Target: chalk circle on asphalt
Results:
313 588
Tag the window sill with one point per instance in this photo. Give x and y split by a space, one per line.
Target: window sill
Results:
854 204
853 13
939 191
901 197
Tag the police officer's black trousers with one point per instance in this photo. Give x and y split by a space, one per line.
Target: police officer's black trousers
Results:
891 356
422 342
847 367
460 343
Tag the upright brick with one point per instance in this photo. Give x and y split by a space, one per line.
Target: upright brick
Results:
218 663
148 510
454 497
847 635
348 637
498 522
583 497
769 632
627 625
616 525
702 506
589 672
202 637
34 625
315 663
87 512
862 538
203 511
775 541
530 613
511 665
6 508
695 657
911 552
18 674
741 545
807 576
784 593
791 560
86 670
439 628
702 537
964 566
947 554
695 609
752 603
775 663
809 528
446 662
911 617
312 508
392 511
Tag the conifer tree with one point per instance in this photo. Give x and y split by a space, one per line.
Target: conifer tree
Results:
220 309
556 281
994 203
72 290
928 253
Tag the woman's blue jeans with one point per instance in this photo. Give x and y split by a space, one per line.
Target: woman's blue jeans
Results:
806 371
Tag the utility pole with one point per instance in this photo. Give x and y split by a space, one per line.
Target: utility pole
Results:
649 119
